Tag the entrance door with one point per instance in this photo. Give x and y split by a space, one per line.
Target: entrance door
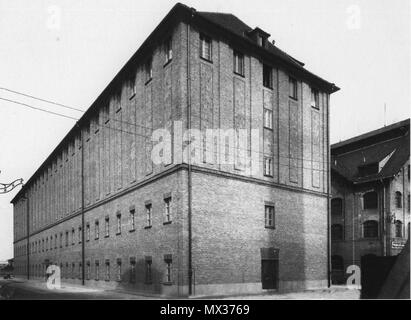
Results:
269 274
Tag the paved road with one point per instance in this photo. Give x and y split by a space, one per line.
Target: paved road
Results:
23 290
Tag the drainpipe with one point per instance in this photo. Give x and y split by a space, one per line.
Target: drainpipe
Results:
28 236
328 195
82 207
189 182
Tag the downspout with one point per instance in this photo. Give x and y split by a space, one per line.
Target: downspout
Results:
28 237
189 182
82 208
328 195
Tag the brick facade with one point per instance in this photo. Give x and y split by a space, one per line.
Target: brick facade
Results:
227 203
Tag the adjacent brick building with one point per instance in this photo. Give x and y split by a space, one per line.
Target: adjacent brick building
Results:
103 211
370 196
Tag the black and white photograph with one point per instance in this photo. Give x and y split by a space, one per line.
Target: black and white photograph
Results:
209 152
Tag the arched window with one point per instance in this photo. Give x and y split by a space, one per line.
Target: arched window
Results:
336 207
398 229
336 232
398 199
370 200
370 229
337 262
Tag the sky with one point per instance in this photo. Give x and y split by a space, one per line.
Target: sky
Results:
68 51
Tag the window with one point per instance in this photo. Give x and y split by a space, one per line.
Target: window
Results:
119 270
149 70
293 88
238 63
398 200
370 229
269 217
97 266
80 270
73 236
370 200
132 219
268 118
168 275
267 76
73 270
169 50
205 47
398 229
55 241
107 227
268 166
148 215
107 270
88 270
118 223
88 232
47 245
336 232
79 234
167 210
336 207
315 98
61 239
96 230
149 278
132 270
67 238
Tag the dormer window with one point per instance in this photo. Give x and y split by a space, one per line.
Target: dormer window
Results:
261 40
259 36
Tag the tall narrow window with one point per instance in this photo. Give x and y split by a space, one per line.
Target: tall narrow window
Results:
148 215
119 270
88 232
268 166
96 230
168 274
267 76
268 119
148 277
55 241
132 219
80 270
398 229
118 223
88 270
398 199
132 270
336 232
80 234
269 217
238 63
149 70
315 98
107 270
107 227
61 239
97 266
73 236
167 210
168 50
293 88
205 48
370 229
67 238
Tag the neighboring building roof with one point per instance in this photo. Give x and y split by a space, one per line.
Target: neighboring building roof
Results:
180 12
388 148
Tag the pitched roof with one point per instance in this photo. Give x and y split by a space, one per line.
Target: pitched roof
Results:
388 146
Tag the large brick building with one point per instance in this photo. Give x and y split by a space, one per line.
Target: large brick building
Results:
370 196
108 215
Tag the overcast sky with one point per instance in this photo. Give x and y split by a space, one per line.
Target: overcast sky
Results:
68 51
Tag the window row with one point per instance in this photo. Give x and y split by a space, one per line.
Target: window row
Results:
53 242
108 271
370 230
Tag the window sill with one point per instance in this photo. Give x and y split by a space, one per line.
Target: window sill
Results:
268 175
148 81
132 230
147 227
96 238
239 74
315 107
269 88
118 233
269 227
106 236
166 283
205 59
293 98
167 63
167 222
268 128
132 96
